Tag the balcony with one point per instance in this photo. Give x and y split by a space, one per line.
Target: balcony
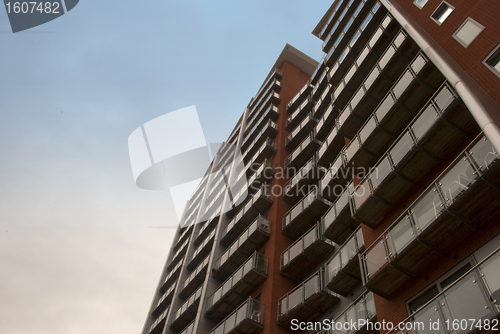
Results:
380 80
338 223
469 297
238 287
258 204
343 272
304 214
205 230
442 128
307 301
194 280
248 242
361 311
326 122
183 237
164 301
264 174
305 178
247 319
323 101
302 153
157 326
298 115
171 277
178 255
452 208
269 130
201 251
299 97
336 177
300 132
305 254
266 151
331 147
187 312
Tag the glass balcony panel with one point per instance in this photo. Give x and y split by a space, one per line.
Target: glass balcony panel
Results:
367 129
430 314
285 258
248 266
376 7
348 251
342 201
310 238
375 258
399 40
330 216
230 323
359 310
227 286
296 211
311 287
403 83
387 56
362 56
402 147
238 275
283 306
372 77
418 64
343 13
296 249
425 121
386 21
349 74
355 38
241 314
491 271
351 316
356 13
457 180
401 235
343 116
337 42
427 209
444 98
217 296
334 266
484 154
375 37
384 107
294 299
357 98
359 238
352 148
466 300
370 305
366 21
348 25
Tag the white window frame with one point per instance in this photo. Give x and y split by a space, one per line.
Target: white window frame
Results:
419 6
438 8
494 52
467 20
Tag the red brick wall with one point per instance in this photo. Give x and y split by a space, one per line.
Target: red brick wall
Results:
277 285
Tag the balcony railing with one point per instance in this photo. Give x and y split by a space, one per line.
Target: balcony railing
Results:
307 301
302 153
298 115
326 122
343 272
442 129
194 280
446 213
264 174
331 147
247 243
164 301
157 326
362 308
259 203
299 97
336 177
187 312
323 101
178 255
307 175
202 251
172 276
300 132
305 253
304 214
269 130
266 151
237 287
205 229
247 319
465 306
338 223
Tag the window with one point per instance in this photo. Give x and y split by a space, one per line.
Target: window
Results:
420 3
442 12
467 32
493 60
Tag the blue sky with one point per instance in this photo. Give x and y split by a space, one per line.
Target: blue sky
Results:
77 254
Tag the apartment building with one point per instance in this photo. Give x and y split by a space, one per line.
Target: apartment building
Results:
369 191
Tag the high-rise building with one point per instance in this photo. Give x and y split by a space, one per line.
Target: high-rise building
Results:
371 186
